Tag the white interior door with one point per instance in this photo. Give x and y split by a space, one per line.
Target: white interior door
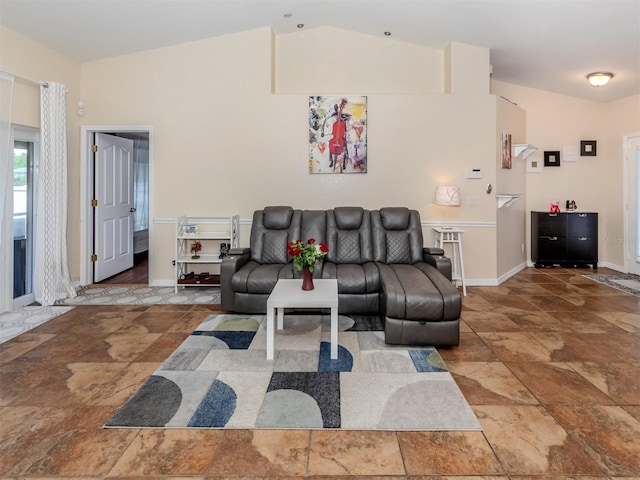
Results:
632 245
113 214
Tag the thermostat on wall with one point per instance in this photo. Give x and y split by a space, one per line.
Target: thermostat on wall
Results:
474 173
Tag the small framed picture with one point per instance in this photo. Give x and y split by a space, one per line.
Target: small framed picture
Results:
552 159
534 164
190 229
587 148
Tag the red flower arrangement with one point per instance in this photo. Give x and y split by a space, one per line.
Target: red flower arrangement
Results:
306 255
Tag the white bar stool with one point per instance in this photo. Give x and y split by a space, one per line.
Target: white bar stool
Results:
453 236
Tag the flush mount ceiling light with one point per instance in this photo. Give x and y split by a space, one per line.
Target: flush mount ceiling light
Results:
599 79
387 34
300 25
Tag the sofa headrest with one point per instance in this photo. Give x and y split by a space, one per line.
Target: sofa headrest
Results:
277 218
395 218
348 218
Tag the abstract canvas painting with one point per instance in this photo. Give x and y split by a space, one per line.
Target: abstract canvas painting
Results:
337 134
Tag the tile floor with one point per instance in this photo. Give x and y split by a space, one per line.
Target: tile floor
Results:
549 361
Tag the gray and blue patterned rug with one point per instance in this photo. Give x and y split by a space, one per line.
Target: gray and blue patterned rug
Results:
219 378
626 282
142 295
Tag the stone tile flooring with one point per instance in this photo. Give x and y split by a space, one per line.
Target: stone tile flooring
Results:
549 362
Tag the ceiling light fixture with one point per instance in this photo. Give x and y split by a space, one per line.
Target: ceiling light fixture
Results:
387 34
288 15
599 79
300 25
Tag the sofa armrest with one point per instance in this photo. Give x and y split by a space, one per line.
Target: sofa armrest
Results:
239 251
435 257
236 259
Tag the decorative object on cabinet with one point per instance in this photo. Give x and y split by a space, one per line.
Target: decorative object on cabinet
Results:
588 148
567 239
337 134
195 249
552 158
209 232
555 207
534 165
506 150
190 229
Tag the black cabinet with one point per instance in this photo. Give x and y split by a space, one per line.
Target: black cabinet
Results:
566 239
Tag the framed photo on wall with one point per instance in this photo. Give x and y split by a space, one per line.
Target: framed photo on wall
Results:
506 150
587 148
552 159
337 134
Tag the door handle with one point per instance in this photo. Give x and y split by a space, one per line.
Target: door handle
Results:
132 209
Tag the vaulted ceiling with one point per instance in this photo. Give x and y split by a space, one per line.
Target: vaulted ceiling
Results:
545 44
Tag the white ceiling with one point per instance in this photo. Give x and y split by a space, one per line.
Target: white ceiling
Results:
545 44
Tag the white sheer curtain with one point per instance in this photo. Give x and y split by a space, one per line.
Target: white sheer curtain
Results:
51 269
6 186
141 183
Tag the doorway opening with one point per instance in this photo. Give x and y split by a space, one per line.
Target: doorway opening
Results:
116 206
631 188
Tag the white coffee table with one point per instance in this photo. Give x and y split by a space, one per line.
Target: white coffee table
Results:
289 294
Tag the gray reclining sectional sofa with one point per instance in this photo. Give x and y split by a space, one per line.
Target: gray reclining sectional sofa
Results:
377 256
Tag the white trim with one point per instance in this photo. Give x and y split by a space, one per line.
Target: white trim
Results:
626 139
481 282
30 135
506 276
86 179
459 224
612 266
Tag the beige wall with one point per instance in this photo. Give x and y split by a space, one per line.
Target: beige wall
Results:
330 60
223 143
554 121
511 218
623 117
23 57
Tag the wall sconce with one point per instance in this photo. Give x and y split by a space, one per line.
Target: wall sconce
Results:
599 79
448 196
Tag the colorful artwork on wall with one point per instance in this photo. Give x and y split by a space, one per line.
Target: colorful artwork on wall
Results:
337 134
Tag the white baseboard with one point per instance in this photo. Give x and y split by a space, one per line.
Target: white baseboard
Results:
512 272
481 282
162 283
612 266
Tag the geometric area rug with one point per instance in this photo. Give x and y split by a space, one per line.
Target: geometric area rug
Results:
219 378
626 282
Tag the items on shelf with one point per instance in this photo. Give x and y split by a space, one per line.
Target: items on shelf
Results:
203 242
